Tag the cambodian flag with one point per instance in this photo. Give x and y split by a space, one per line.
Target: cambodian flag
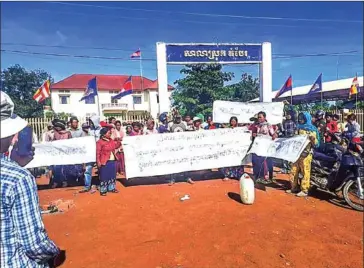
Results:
136 54
286 87
127 89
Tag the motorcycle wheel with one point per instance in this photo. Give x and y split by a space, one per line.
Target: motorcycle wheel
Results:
350 193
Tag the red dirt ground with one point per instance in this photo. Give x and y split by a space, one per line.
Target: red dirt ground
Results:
148 226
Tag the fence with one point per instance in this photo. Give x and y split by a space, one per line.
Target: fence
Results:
40 124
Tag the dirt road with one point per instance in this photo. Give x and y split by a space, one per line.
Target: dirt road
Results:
148 226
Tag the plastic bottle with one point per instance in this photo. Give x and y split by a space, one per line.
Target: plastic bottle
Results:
247 190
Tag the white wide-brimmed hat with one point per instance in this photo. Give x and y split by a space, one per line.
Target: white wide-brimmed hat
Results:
10 123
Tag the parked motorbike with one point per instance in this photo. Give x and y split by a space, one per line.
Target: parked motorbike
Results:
338 167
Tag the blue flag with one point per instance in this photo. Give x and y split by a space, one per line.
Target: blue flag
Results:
286 87
91 89
317 86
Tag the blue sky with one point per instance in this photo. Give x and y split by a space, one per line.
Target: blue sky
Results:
119 25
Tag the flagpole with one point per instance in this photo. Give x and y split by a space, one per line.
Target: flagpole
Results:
98 101
357 92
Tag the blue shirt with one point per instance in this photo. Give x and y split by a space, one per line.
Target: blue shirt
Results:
24 241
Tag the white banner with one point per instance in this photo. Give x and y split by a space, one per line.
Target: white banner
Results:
169 153
288 149
64 152
224 110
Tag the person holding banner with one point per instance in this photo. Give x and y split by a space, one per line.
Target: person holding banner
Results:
232 172
303 164
262 128
105 159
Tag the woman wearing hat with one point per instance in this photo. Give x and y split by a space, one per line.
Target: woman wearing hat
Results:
106 161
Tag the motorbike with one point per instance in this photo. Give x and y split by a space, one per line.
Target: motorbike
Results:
338 167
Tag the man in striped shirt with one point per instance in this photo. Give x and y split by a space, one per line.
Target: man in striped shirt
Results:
24 241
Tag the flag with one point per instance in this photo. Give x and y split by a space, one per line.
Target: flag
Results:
91 89
43 92
354 87
286 87
126 90
317 86
136 54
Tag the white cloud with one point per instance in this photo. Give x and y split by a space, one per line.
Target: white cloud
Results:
63 38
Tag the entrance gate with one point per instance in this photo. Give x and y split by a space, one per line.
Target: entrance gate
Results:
182 54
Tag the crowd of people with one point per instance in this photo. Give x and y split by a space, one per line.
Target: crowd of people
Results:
110 159
24 241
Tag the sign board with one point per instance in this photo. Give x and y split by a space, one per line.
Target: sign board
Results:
64 152
224 110
213 53
288 149
170 153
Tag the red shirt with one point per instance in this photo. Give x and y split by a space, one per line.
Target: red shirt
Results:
104 149
331 127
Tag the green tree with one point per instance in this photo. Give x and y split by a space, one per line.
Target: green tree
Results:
245 90
201 86
21 85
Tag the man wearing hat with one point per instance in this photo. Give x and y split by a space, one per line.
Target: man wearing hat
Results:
24 241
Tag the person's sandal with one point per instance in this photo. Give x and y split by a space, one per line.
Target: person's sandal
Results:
190 181
114 191
225 179
103 194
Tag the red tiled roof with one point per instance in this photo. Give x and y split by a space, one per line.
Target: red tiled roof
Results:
105 82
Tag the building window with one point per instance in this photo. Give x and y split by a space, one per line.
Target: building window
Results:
157 98
64 99
64 91
90 100
137 99
114 101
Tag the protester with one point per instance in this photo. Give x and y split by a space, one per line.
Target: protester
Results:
263 128
352 128
331 127
150 128
232 172
177 125
128 130
24 241
120 163
75 131
136 129
189 122
163 127
340 125
59 171
303 164
289 124
197 124
47 136
320 124
210 123
85 130
105 159
95 127
288 130
112 120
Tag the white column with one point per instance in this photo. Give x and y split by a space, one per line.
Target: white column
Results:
164 102
265 73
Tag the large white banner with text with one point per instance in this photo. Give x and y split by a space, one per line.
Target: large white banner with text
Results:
224 110
169 153
288 149
64 152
